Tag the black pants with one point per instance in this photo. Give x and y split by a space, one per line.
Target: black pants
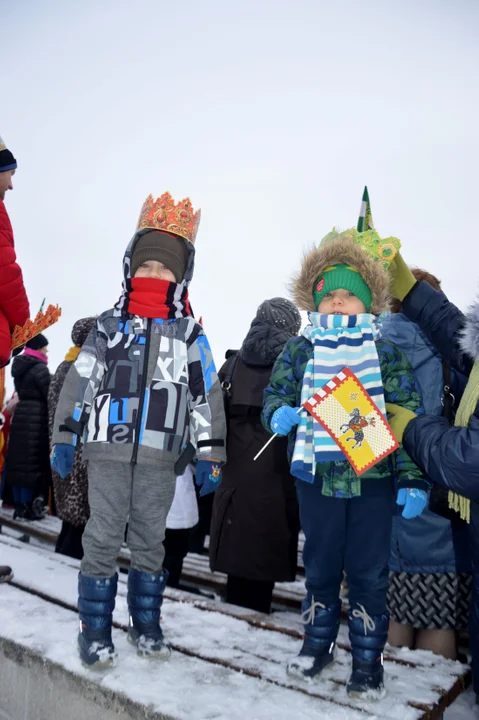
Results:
202 528
69 540
176 549
352 535
254 594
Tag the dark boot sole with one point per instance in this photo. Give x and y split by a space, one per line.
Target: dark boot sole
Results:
100 665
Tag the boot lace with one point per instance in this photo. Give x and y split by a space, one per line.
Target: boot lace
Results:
308 615
368 622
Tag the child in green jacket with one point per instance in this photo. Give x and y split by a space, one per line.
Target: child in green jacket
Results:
346 519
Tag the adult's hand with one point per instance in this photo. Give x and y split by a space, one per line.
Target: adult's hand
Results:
399 419
402 279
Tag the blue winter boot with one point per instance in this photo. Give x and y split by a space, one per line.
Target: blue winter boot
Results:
96 601
321 626
368 636
145 597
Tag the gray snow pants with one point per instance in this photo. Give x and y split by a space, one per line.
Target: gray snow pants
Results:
119 493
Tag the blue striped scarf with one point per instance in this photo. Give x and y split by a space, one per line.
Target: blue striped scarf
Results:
338 341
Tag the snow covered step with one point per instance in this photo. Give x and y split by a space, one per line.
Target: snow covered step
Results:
42 677
420 685
196 569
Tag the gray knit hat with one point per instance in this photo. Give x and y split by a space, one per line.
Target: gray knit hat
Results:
280 313
162 247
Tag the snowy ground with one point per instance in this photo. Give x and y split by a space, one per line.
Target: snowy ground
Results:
190 687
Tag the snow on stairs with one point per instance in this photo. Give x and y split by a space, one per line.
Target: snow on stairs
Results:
196 570
420 685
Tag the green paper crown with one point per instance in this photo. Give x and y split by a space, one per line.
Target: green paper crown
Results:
381 250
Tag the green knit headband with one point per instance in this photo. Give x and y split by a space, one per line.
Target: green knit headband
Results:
343 277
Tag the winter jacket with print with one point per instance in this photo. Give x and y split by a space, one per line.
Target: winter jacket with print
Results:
141 388
399 388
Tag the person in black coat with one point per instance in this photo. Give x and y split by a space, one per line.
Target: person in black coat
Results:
28 461
255 523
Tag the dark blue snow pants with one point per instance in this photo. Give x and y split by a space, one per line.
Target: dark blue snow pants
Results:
352 535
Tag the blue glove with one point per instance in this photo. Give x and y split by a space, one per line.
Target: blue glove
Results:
284 419
414 501
208 476
61 459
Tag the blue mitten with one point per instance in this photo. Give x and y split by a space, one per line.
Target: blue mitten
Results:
414 501
61 459
208 476
284 419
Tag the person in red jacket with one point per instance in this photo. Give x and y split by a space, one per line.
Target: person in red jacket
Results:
14 307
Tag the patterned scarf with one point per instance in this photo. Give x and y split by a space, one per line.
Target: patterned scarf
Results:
338 341
160 299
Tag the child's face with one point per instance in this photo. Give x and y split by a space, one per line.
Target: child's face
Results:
155 270
341 302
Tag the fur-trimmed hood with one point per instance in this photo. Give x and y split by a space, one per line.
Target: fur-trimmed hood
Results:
341 251
470 334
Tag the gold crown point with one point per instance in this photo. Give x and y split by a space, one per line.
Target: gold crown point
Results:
32 328
165 215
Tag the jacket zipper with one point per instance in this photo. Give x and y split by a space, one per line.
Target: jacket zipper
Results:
142 394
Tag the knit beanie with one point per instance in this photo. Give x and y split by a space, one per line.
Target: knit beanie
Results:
37 343
163 247
7 161
343 277
280 313
81 330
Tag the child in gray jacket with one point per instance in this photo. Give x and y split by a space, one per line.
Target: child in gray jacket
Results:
143 384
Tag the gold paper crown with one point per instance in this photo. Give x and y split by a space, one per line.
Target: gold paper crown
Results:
163 214
32 328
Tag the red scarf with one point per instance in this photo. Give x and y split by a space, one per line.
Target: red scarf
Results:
152 298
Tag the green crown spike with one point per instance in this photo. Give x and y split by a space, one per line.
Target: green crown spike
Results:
365 221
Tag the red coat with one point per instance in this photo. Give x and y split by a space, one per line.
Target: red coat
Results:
14 307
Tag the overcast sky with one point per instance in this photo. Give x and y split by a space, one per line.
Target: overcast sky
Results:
270 115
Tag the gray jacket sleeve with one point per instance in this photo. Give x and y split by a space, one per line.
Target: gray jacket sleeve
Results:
80 388
205 397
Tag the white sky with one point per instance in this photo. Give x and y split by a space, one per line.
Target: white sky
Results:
270 114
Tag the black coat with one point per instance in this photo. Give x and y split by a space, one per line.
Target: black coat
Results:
255 523
28 460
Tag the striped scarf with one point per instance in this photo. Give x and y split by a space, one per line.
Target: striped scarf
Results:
338 341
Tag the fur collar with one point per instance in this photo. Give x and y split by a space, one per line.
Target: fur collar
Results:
470 334
340 251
